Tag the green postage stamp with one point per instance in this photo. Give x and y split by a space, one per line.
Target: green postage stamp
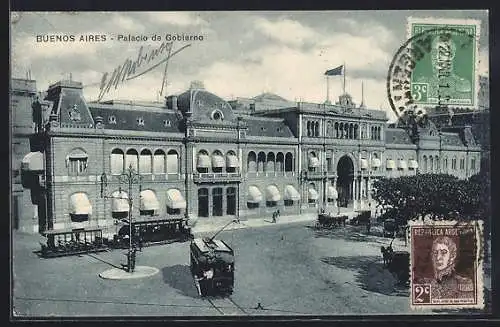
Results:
446 73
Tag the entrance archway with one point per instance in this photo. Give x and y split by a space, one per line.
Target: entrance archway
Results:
345 173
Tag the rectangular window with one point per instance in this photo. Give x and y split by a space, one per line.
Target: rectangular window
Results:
288 203
172 164
473 164
159 164
77 166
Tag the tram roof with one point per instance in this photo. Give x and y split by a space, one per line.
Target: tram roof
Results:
216 245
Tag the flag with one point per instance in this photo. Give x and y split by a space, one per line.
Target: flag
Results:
335 71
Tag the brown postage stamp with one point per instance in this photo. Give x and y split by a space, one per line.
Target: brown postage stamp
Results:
446 265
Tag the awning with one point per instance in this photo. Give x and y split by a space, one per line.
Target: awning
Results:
272 193
413 164
332 193
149 201
391 164
175 200
313 162
313 194
119 202
232 161
402 164
376 163
79 204
32 161
217 161
203 161
254 195
363 164
291 193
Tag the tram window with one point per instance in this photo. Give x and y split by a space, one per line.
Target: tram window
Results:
231 169
119 215
79 218
312 201
271 203
252 205
172 211
147 212
288 203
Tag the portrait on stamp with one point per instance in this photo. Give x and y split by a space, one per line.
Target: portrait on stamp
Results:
444 265
446 74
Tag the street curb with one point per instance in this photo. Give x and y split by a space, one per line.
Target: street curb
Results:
119 274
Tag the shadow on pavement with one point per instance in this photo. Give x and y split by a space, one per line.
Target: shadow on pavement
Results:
180 278
370 274
351 233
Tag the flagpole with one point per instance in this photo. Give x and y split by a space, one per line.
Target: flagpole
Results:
344 77
327 89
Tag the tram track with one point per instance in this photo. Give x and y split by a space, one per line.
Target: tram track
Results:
226 306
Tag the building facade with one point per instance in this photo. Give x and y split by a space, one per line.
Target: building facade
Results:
201 157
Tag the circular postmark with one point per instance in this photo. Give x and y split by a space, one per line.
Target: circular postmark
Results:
436 48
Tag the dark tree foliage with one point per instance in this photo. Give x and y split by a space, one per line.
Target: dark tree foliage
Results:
437 196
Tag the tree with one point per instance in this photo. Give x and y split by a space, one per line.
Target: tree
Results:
436 196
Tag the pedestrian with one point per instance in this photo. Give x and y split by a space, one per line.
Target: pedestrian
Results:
274 217
368 226
278 213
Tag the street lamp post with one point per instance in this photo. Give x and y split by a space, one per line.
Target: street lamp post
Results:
129 177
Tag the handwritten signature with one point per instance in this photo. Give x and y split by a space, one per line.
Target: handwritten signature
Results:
131 69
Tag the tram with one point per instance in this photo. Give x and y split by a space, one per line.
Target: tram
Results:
74 241
212 266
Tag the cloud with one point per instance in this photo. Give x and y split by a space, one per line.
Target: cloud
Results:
177 18
124 23
286 30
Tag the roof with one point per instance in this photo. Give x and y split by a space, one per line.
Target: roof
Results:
266 96
397 136
451 139
267 126
202 105
138 118
216 245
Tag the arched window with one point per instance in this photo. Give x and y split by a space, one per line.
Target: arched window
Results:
270 162
436 163
132 159
424 165
218 162
329 128
145 162
341 130
232 162
356 131
336 130
117 161
159 162
172 162
454 163
445 164
431 164
76 162
351 131
346 130
261 160
313 162
288 162
203 162
316 129
280 162
309 129
251 162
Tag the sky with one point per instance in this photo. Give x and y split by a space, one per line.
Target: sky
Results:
243 54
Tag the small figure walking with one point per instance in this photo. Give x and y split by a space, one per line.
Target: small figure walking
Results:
278 214
274 217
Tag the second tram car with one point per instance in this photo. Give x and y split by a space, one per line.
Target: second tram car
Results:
212 266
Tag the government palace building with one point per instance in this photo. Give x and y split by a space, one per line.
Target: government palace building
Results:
203 158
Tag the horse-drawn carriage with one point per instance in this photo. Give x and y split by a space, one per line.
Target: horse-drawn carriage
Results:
397 262
328 220
75 241
362 218
212 266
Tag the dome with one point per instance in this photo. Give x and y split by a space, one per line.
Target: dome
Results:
203 105
266 96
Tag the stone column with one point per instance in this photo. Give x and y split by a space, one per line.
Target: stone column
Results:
224 201
210 202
